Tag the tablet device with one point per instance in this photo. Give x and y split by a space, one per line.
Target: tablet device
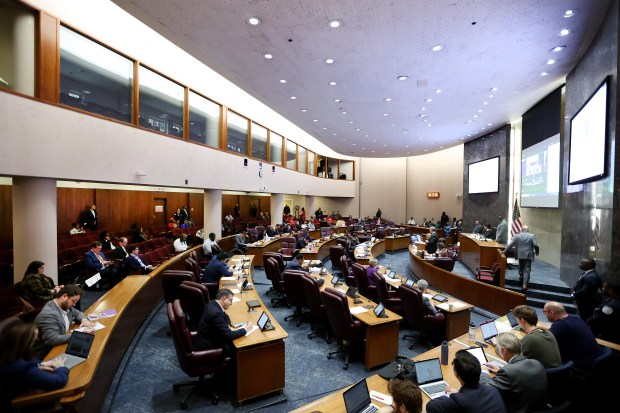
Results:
263 322
379 311
440 298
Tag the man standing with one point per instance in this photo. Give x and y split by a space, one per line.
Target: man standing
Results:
56 318
501 234
216 269
287 209
237 210
526 246
585 291
90 218
574 337
522 382
318 214
184 215
472 396
431 244
214 330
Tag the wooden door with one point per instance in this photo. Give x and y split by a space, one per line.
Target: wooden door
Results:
160 211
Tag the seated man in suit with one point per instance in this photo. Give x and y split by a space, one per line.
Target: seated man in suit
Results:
134 262
241 240
271 231
95 261
422 285
56 317
472 397
215 330
522 382
216 269
296 264
121 252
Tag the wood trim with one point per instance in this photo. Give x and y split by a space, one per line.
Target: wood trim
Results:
186 114
135 109
250 139
268 155
224 128
47 87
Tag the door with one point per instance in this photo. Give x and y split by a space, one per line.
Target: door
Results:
160 211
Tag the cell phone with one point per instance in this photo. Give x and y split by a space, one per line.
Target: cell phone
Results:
481 344
238 325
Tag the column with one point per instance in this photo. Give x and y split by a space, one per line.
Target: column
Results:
34 225
213 212
23 52
277 208
309 205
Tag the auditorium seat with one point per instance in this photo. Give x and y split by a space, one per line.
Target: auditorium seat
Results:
361 282
193 297
389 299
414 312
288 249
319 322
277 282
445 263
295 295
490 274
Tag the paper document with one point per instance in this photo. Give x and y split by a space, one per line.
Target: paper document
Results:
236 299
253 329
358 310
97 326
228 278
381 398
93 280
235 290
429 296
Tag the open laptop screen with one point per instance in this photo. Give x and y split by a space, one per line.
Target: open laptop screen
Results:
357 397
489 330
79 344
478 352
428 371
512 319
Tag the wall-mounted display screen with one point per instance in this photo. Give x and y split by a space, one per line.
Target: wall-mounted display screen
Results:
540 174
588 139
484 176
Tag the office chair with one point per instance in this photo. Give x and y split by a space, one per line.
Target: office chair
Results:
312 289
288 249
361 281
416 316
559 384
170 281
490 274
277 282
192 265
295 296
335 253
445 263
347 330
389 299
193 362
346 271
193 297
278 257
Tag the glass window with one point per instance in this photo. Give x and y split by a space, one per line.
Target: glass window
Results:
259 142
275 148
301 159
346 170
17 47
332 168
94 78
204 120
161 103
237 133
320 167
311 156
291 154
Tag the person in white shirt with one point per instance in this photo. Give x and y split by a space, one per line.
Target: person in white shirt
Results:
210 246
411 221
75 229
180 244
311 224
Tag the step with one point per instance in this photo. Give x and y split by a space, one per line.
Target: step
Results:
537 286
538 303
545 295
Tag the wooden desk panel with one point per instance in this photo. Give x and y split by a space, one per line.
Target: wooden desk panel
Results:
376 249
320 252
397 243
260 247
475 253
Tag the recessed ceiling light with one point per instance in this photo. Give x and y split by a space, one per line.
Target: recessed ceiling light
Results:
438 91
564 32
282 80
315 120
491 96
254 21
293 97
558 49
324 128
406 146
363 148
402 77
337 100
357 129
489 124
469 121
475 116
304 110
428 100
479 110
469 134
385 114
429 124
372 151
544 74
493 89
385 145
422 108
419 138
393 124
437 47
424 120
329 61
387 99
550 61
483 128
569 13
351 122
344 112
353 144
335 134
425 150
268 56
332 83
334 24
485 103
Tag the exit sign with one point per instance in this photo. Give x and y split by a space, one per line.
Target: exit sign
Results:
432 195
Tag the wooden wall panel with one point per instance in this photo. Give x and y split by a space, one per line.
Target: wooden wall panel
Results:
71 204
6 217
196 202
48 75
228 203
263 203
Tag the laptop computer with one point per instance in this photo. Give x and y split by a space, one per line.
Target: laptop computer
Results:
379 311
513 320
410 282
430 378
489 330
77 349
391 274
357 399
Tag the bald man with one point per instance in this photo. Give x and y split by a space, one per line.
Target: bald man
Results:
575 339
525 245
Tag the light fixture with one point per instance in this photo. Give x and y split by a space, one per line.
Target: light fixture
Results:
293 97
485 103
422 108
268 56
254 21
479 110
329 61
324 128
385 114
569 13
564 32
550 61
334 24
344 112
429 124
353 144
438 91
493 89
357 129
282 81
402 77
489 124
351 122
544 74
315 120
335 134
387 99
558 49
337 100
428 100
332 83
491 96
437 47
304 110
363 148
469 121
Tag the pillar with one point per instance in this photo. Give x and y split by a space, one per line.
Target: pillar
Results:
213 212
23 52
309 205
277 208
34 225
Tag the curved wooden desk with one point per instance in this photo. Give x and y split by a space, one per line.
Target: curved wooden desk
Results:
489 297
376 250
399 242
259 247
476 252
319 250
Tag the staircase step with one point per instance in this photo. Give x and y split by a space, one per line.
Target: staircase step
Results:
538 303
537 286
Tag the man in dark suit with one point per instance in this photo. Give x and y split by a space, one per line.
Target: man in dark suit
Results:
585 292
216 269
96 261
121 252
472 396
526 246
215 330
296 264
522 382
89 220
134 262
431 244
184 215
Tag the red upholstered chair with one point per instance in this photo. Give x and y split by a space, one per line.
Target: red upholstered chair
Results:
170 281
390 300
490 274
346 271
312 290
194 363
445 263
335 253
278 257
414 312
277 282
361 281
345 328
253 234
193 297
288 249
192 265
295 296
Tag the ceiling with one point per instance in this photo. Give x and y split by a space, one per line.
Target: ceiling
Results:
487 44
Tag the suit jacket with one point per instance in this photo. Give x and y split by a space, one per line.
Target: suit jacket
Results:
469 399
431 245
133 263
214 271
478 229
120 252
294 265
585 293
92 262
89 220
52 329
524 243
522 383
501 235
214 329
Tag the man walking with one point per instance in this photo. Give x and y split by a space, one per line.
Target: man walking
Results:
526 246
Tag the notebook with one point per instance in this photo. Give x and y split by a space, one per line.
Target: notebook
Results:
357 399
430 378
77 349
489 330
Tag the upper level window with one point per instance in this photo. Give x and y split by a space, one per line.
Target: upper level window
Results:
332 168
301 159
161 103
94 78
346 170
311 162
237 133
259 142
275 148
204 120
291 154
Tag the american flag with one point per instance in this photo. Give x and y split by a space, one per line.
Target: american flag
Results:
516 220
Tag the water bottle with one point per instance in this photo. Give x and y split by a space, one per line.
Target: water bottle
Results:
472 332
444 353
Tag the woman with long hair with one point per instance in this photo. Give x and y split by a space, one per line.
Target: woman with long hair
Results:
36 286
